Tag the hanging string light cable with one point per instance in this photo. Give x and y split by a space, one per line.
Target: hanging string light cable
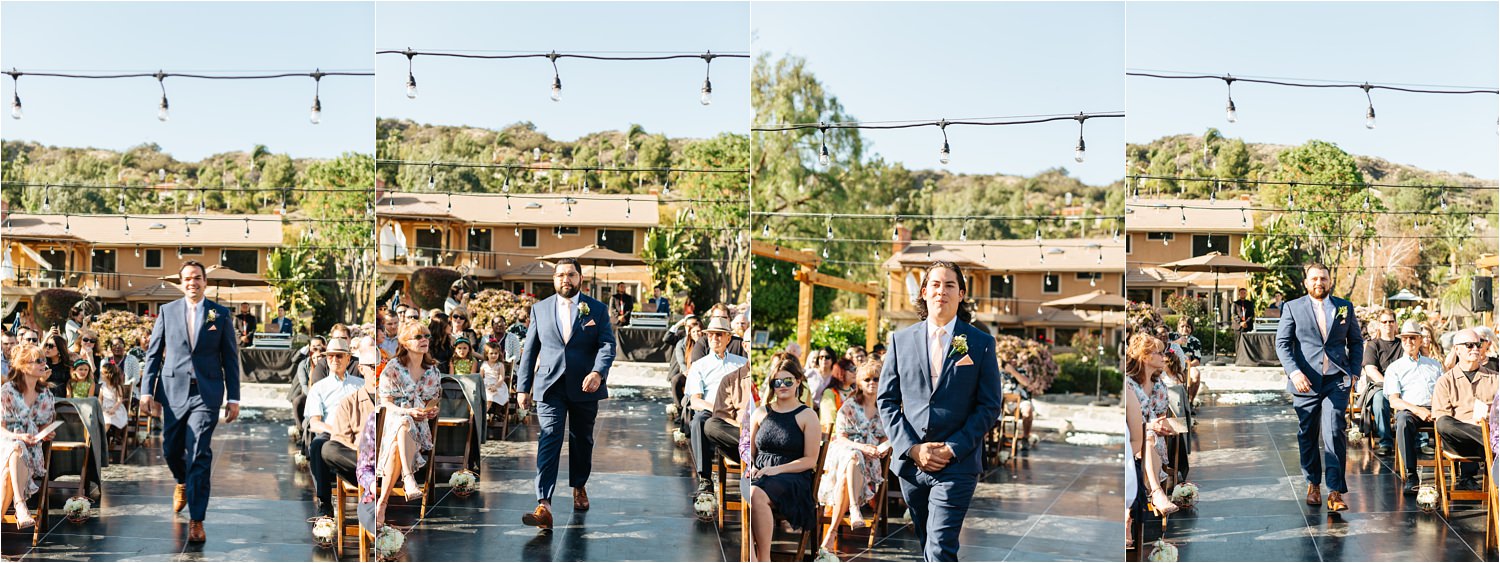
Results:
942 124
162 108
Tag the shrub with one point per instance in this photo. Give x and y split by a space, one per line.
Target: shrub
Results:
496 303
429 286
120 324
52 306
1077 376
838 332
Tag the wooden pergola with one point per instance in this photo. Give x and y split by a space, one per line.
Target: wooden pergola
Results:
807 277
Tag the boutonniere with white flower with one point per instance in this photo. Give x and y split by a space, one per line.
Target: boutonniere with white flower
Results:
960 345
583 310
1341 312
213 315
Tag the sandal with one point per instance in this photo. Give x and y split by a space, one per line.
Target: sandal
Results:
1162 504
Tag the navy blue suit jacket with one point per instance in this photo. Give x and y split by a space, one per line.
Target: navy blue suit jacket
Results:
964 406
546 360
1301 347
171 362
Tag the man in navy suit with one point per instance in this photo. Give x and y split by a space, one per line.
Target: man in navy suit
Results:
564 364
1320 346
192 367
939 394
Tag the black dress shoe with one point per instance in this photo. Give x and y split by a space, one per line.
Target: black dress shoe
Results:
1467 484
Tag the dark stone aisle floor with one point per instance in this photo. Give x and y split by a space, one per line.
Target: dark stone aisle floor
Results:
1252 509
1058 503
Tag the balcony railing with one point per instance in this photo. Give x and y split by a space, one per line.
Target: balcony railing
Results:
71 279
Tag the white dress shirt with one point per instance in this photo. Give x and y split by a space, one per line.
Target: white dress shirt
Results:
566 311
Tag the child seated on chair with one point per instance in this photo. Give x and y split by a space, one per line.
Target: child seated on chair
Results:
463 358
496 389
81 383
111 395
851 469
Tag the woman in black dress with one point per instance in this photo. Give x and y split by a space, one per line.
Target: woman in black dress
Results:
59 363
785 449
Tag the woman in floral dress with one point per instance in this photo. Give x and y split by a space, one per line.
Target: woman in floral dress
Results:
26 405
404 397
851 469
1146 407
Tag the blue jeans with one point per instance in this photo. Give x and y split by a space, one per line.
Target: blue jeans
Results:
1380 412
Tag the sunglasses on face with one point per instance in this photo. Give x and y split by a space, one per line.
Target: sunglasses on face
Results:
50 345
1469 345
90 341
32 340
1388 321
783 383
318 348
421 337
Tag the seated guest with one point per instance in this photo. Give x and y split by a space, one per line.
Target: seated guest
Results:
1460 401
26 405
702 385
409 383
112 391
1016 381
678 362
1380 351
727 429
463 358
784 447
1146 406
297 392
389 324
59 363
1409 383
322 401
349 417
81 383
700 348
851 469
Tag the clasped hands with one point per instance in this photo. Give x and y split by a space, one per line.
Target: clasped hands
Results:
591 383
931 456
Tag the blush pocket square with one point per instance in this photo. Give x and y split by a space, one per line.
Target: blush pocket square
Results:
965 361
212 328
590 323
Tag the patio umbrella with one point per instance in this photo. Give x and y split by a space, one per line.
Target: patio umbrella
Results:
1216 264
1097 300
1404 295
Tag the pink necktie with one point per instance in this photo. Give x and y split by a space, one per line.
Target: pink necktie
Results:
567 325
1322 329
192 334
937 355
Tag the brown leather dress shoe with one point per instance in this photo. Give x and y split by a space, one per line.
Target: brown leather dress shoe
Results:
1314 498
195 532
580 500
179 498
1336 502
541 517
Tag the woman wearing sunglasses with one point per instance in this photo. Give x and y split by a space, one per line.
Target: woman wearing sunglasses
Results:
59 363
784 449
410 381
25 407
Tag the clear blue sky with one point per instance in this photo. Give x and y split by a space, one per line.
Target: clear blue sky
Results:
932 60
662 96
207 116
1431 43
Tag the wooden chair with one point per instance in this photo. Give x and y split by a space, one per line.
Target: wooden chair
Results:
1423 427
1010 425
1491 492
1447 476
140 421
874 522
455 419
73 437
41 500
401 489
726 468
807 544
121 446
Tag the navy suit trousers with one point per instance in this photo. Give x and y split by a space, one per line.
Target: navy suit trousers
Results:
553 412
1320 417
187 439
938 504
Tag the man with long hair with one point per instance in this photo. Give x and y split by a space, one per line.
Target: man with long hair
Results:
939 394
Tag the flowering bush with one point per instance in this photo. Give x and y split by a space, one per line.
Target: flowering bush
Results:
1030 355
121 324
490 304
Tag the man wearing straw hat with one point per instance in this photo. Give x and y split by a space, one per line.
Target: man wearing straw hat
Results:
1408 386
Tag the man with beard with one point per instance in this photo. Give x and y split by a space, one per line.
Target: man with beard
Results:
1319 343
564 363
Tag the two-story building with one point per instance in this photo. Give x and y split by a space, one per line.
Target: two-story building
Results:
498 239
1009 280
120 260
1160 231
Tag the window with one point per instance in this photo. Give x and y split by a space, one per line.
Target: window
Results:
103 262
429 242
1159 236
618 240
1086 276
242 261
191 251
1051 283
1129 240
542 290
528 239
153 258
1065 336
481 241
1002 287
1139 296
1204 244
518 287
560 231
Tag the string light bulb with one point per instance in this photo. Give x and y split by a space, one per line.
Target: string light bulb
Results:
46 199
1078 151
706 93
1370 110
1229 112
161 109
411 79
15 99
823 157
556 78
316 116
945 154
